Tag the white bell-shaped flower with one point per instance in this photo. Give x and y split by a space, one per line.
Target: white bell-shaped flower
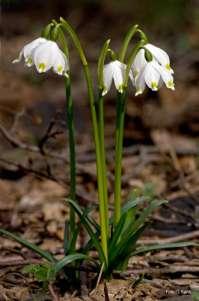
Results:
49 55
44 54
114 71
160 56
153 75
28 50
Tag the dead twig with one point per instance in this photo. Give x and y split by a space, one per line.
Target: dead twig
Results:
178 238
55 297
16 262
33 171
40 150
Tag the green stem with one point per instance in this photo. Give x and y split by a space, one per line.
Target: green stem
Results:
103 156
103 214
71 139
126 42
120 115
99 163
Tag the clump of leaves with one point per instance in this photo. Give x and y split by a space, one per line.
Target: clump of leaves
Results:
123 237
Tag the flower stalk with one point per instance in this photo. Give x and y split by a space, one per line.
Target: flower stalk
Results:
72 155
103 156
99 163
119 133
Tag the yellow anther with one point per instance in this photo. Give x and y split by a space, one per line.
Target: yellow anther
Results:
42 67
170 84
120 88
60 68
154 85
168 67
28 61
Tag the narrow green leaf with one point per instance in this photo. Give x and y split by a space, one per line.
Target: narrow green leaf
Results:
90 244
116 233
29 245
86 212
124 249
144 215
69 259
73 240
133 203
89 229
149 248
66 237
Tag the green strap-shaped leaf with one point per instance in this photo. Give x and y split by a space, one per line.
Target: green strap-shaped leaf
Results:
29 245
117 233
144 249
67 260
133 203
143 216
89 229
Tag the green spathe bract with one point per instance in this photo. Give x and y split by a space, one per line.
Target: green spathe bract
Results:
116 238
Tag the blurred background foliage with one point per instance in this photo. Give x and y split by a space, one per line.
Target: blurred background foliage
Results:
175 20
172 23
169 14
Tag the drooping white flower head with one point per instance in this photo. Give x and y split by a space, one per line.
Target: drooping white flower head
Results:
44 54
152 73
160 56
48 55
27 51
113 71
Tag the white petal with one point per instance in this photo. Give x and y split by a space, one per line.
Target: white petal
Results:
152 76
132 78
140 83
19 58
28 50
166 77
108 77
60 65
160 55
118 74
139 63
30 47
44 56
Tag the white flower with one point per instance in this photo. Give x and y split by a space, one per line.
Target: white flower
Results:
48 55
44 54
152 73
160 56
139 63
114 71
27 51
